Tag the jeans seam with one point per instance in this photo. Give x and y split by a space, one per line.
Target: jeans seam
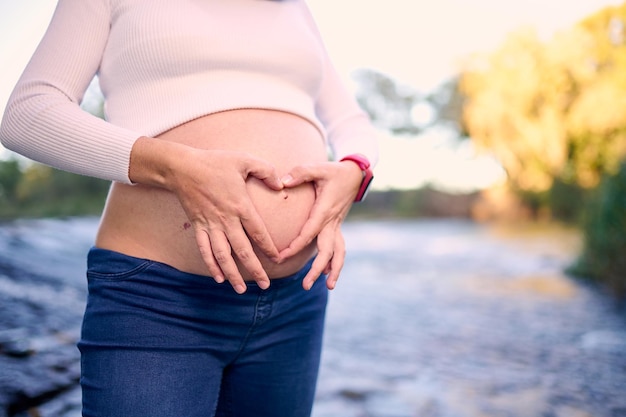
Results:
256 321
120 276
244 342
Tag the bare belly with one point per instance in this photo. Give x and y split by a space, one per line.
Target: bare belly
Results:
148 222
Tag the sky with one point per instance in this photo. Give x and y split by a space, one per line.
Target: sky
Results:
418 43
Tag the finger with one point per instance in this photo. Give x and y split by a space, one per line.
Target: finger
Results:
265 172
325 247
317 268
204 245
222 252
305 237
311 229
332 277
256 230
337 262
243 250
299 175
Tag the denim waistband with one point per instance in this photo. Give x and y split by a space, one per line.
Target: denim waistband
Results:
112 265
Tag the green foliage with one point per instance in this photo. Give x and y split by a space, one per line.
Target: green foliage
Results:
10 175
604 254
566 200
41 191
34 190
422 202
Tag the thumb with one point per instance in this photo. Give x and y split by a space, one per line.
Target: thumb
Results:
297 176
266 173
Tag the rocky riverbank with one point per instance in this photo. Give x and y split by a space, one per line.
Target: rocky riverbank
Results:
431 318
42 295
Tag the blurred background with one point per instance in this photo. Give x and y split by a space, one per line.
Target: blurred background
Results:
486 273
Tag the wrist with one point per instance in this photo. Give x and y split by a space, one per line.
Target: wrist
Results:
367 175
155 161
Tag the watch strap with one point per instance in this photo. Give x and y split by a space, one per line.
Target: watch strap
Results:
368 175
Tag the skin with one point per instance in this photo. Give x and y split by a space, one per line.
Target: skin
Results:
335 190
213 189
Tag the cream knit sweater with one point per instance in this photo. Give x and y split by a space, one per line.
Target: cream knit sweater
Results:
161 63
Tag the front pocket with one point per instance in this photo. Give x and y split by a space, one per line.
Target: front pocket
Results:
103 264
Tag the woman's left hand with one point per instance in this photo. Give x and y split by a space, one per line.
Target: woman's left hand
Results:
336 184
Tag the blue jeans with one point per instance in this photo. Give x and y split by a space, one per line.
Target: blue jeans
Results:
158 342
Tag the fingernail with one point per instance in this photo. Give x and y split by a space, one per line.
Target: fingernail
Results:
219 279
264 284
286 179
240 288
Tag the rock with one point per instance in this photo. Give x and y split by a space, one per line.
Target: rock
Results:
67 404
38 378
419 325
42 295
15 343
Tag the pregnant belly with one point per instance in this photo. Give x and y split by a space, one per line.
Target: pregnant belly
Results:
150 223
283 212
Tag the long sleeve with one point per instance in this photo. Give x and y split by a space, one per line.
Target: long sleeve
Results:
162 64
43 120
348 127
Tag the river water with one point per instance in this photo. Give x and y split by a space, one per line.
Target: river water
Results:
431 318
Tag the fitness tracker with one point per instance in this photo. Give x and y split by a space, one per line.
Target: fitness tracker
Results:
368 175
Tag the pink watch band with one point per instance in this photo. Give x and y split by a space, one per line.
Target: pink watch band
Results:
368 175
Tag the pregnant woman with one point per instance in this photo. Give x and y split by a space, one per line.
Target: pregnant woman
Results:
225 208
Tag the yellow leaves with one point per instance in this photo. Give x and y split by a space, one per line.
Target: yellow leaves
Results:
554 109
600 108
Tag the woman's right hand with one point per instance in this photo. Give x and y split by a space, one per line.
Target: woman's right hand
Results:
211 187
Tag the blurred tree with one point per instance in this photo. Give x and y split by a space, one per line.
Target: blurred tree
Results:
448 102
552 110
32 189
602 258
402 110
42 184
10 176
389 104
36 190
